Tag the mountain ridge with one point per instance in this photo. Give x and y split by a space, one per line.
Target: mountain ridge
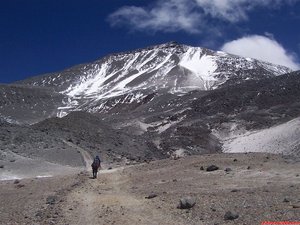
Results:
52 126
169 67
155 96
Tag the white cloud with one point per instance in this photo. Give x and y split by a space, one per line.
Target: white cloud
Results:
165 15
190 16
237 10
262 48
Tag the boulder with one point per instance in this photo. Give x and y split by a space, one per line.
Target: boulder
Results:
228 170
16 181
212 168
152 195
286 200
186 203
51 200
230 216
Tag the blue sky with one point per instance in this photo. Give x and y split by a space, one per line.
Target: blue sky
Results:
41 36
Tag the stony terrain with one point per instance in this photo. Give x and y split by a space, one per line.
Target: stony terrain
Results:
21 104
253 187
195 123
139 105
160 118
128 79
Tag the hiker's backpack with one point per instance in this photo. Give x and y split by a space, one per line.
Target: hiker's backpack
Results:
96 163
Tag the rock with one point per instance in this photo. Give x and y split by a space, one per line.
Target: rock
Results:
230 215
296 206
201 168
186 203
152 195
20 185
39 214
1 166
235 190
248 168
235 160
51 200
212 168
109 168
16 181
228 170
286 200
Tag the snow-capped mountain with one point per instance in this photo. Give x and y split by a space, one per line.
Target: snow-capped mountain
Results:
149 103
131 76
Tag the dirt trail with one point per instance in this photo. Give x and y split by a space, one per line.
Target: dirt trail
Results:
258 187
108 200
87 158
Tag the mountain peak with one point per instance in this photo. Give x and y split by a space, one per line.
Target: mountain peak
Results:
170 44
166 68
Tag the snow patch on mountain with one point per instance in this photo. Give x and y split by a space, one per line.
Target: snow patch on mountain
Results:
113 76
281 139
203 66
168 68
276 69
109 80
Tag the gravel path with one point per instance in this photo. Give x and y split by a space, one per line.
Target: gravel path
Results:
256 187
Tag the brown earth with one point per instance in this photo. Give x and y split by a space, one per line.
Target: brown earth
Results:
259 187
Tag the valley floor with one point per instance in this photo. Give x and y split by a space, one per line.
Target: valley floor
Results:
257 187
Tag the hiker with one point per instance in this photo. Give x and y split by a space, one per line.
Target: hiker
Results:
95 166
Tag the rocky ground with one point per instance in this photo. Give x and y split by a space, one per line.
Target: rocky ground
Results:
41 156
252 187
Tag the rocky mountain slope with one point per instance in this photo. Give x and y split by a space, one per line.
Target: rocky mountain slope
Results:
201 120
21 104
158 102
131 77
